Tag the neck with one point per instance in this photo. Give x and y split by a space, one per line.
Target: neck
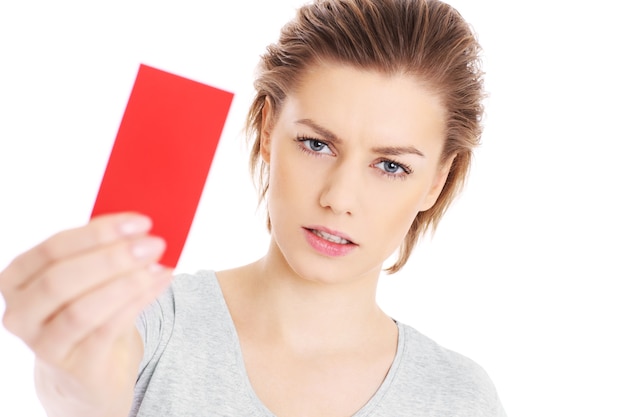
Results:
275 303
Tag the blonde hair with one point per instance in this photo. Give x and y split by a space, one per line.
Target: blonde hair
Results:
427 39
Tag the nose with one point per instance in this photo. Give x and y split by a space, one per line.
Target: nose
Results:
341 189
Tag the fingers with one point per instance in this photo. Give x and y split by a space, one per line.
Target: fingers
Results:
73 300
100 231
64 282
58 280
112 329
102 314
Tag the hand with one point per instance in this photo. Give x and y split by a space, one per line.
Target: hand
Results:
73 300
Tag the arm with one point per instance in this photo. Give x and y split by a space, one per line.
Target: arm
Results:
73 300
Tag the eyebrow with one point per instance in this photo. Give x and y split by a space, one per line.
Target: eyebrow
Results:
398 150
325 133
385 150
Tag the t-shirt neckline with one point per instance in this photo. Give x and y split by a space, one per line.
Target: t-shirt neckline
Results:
266 412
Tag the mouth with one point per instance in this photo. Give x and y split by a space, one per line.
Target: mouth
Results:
329 243
333 237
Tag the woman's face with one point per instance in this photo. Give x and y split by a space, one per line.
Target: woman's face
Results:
353 156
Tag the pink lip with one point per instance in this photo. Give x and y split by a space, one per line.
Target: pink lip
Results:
325 247
330 232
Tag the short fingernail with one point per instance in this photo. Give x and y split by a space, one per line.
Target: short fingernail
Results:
145 248
135 225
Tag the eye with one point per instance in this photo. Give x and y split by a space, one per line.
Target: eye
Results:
315 145
393 169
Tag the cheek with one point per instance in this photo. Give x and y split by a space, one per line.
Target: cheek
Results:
401 215
395 211
288 180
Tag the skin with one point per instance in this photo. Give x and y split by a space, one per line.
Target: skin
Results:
312 337
73 300
309 326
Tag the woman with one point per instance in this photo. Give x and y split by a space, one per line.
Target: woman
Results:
364 122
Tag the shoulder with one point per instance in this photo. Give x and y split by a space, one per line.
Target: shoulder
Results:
189 299
196 298
192 309
455 383
203 281
426 355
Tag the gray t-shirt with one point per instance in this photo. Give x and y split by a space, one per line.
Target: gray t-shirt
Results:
193 366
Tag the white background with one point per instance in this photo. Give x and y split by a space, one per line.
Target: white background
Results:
525 274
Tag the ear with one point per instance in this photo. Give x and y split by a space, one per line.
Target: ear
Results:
266 129
439 181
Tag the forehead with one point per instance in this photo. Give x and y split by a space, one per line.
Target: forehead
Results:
366 103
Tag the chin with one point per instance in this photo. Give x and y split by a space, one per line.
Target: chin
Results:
298 259
330 271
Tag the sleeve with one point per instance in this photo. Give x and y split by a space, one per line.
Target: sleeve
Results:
480 392
490 398
469 390
155 325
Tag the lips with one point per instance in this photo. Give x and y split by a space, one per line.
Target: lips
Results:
329 243
330 235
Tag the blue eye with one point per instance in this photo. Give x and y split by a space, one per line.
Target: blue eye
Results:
391 167
315 145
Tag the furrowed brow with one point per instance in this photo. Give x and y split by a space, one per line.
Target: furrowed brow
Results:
322 131
398 150
384 150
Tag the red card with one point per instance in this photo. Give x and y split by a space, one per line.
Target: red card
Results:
162 153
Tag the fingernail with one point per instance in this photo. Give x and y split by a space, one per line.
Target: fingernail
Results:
145 248
135 225
155 268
